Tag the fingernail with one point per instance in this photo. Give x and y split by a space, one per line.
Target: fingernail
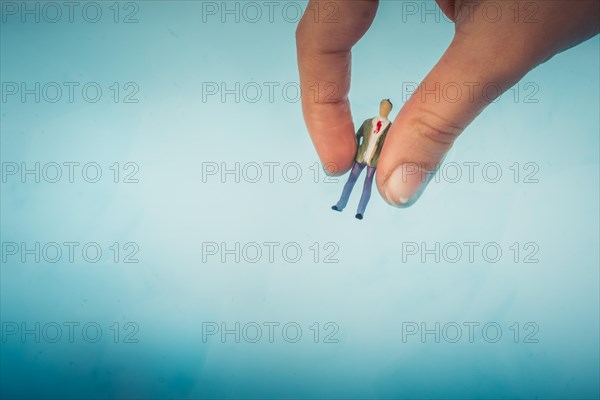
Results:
406 184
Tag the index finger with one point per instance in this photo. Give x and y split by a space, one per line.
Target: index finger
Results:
324 39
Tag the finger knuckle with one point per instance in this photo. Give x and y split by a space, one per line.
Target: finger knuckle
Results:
442 134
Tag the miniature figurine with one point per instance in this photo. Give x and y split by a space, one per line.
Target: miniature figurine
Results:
372 132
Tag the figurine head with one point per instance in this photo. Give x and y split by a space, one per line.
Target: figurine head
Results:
385 107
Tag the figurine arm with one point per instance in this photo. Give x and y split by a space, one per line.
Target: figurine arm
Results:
360 132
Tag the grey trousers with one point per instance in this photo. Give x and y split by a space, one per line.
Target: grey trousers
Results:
366 193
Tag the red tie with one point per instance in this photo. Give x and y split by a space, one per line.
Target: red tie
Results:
378 127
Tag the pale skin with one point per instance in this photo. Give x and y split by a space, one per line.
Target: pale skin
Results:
499 53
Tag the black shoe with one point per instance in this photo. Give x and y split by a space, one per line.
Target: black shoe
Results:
359 216
335 208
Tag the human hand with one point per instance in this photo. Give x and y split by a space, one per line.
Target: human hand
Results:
483 51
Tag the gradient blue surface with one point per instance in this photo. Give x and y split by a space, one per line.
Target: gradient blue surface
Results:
375 291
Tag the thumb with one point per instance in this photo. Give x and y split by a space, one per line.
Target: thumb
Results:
467 78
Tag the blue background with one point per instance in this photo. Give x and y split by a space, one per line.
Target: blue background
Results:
373 290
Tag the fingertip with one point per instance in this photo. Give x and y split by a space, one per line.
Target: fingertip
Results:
334 140
336 157
411 156
337 166
404 185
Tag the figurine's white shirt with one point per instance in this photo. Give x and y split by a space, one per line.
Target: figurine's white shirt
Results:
375 136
